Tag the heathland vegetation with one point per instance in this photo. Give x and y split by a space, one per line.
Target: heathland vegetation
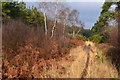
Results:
37 42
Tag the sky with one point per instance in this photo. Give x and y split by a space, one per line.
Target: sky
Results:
89 11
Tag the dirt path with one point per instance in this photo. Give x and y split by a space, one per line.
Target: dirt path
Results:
83 64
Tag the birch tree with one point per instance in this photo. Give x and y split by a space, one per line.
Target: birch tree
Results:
63 16
44 7
50 10
55 12
73 18
56 9
80 25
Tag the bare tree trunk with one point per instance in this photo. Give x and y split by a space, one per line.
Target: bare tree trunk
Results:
64 27
54 25
53 28
73 33
77 32
64 24
45 23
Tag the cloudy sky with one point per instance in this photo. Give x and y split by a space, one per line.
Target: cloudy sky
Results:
89 11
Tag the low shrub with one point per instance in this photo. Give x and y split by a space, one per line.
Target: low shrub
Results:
75 43
70 36
97 38
80 37
100 56
114 36
14 35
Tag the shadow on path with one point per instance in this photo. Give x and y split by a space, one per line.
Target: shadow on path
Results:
84 73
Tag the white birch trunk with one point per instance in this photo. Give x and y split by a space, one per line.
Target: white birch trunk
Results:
53 28
55 22
77 32
45 23
73 33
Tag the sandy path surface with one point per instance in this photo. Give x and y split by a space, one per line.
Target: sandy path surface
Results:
80 64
